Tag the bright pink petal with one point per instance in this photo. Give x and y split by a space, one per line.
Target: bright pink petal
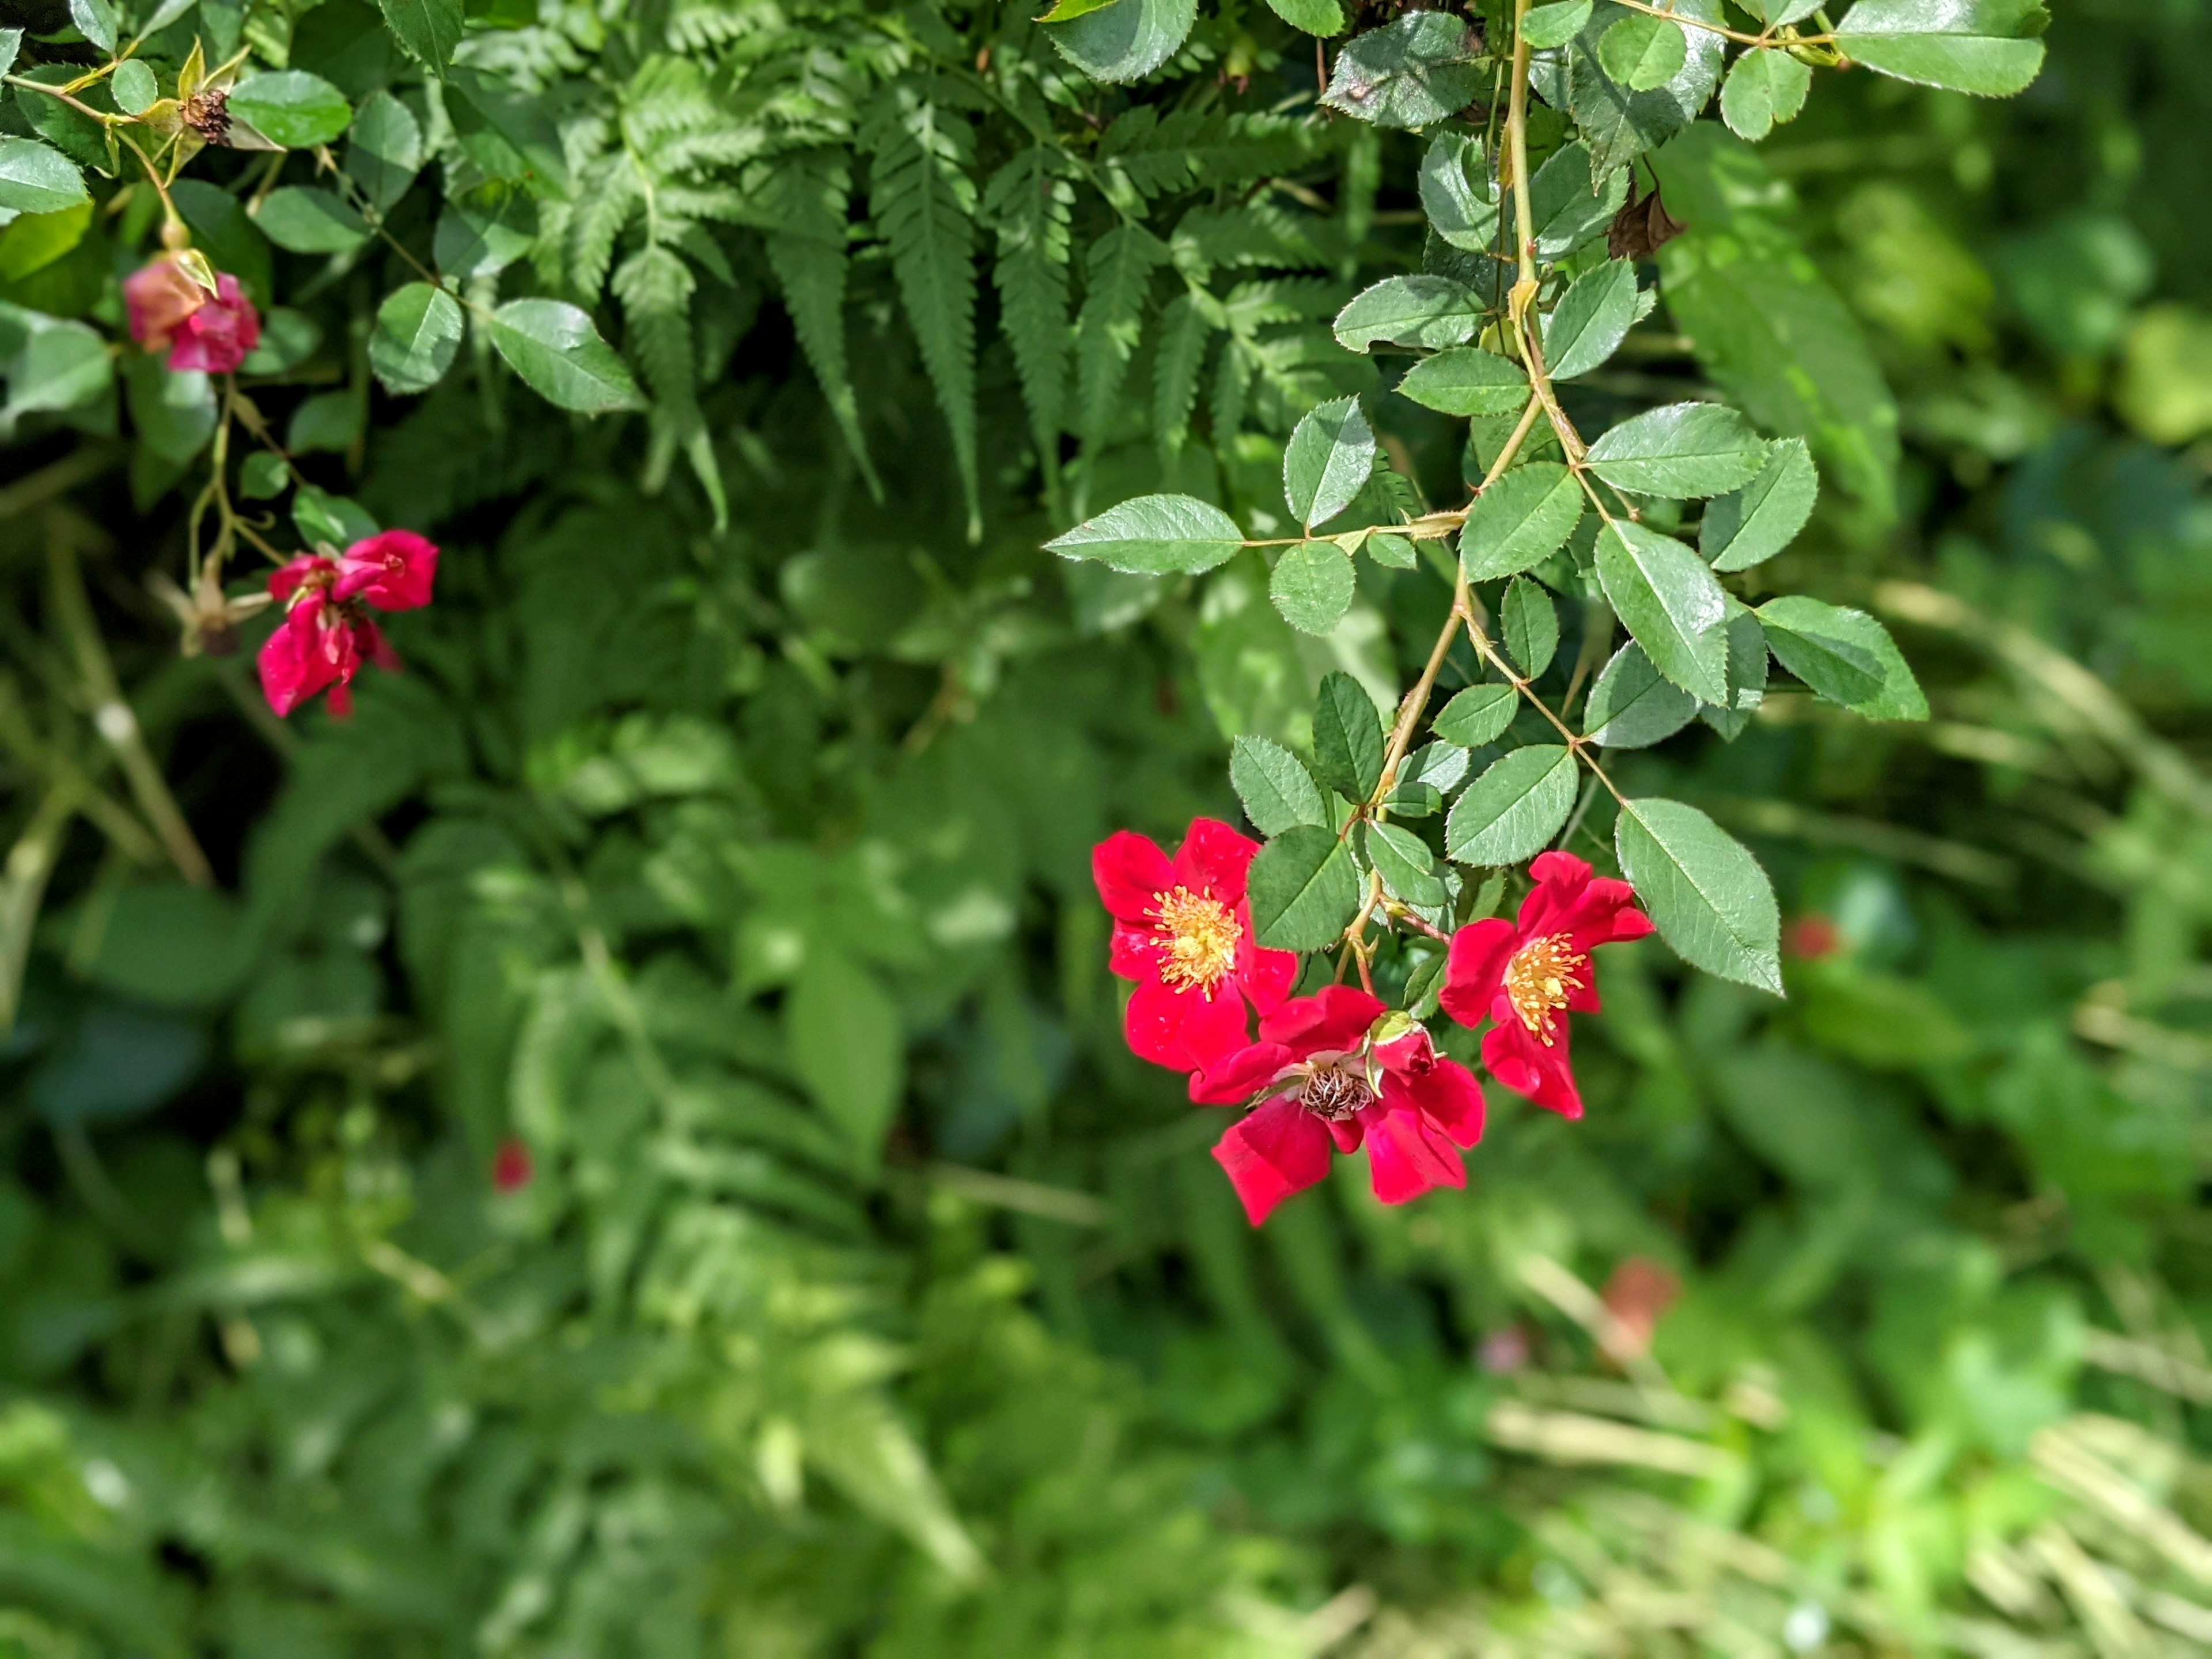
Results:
1333 1018
392 570
1235 1078
1446 1093
1527 1067
1405 1157
1183 1030
296 661
290 577
158 298
1270 1153
368 640
1213 860
1135 953
1476 967
1130 869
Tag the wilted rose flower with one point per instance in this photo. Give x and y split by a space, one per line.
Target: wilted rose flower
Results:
170 309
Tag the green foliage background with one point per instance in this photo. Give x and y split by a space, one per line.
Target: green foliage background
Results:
727 842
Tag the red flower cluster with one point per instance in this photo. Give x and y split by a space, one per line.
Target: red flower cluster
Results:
1338 1070
326 632
202 328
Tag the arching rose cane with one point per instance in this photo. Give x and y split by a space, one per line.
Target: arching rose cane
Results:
1526 975
326 632
1332 1072
1183 933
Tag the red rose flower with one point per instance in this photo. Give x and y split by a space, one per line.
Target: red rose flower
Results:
169 309
1526 975
1182 931
1327 1077
512 1166
326 632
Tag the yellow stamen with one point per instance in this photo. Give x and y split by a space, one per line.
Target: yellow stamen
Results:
1539 980
1202 937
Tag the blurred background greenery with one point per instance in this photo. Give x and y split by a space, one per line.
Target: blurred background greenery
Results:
1869 1323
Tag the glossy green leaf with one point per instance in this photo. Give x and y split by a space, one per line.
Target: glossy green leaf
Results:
1757 521
1125 40
61 366
302 219
1643 52
1440 766
428 30
291 108
1303 889
1312 586
553 347
262 477
1323 17
1681 450
1422 312
1746 672
384 150
1632 704
1555 24
1407 866
1845 656
1670 603
1277 790
11 43
174 414
1520 520
95 20
417 333
36 178
1570 206
1478 716
1591 319
1764 89
1154 535
1530 625
1458 193
133 87
1347 738
1620 123
1987 47
1328 459
1467 380
1703 890
1414 72
1508 814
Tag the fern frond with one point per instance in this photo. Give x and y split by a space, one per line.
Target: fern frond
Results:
923 201
655 286
1232 385
1186 330
1142 156
1120 270
608 195
1259 233
1031 206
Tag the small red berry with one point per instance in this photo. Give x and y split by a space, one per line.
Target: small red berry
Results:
512 1166
1812 937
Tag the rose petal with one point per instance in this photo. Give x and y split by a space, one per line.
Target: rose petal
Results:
1183 1030
1271 1153
1265 976
1405 1157
1476 967
1130 872
1335 1017
1213 859
392 570
1235 1078
1527 1067
1447 1093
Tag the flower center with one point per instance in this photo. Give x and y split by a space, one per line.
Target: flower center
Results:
1336 1089
1202 937
1541 977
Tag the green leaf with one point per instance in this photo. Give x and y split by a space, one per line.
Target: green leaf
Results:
1154 535
1031 205
560 356
1186 330
1681 450
36 178
1468 380
808 194
1441 767
1702 890
1633 705
1643 52
924 201
1845 656
95 20
1313 586
133 87
1326 460
1670 603
426 30
1554 24
384 150
291 107
302 219
11 43
1347 738
1530 625
289 339
61 366
262 477
1766 87
336 521
1520 520
1303 889
1323 17
174 413
1111 325
1277 790
329 420
1747 673
1986 47
1421 311
1066 11
1513 808
1477 716
1620 123
1414 72
418 331
508 133
1125 40
1462 209
221 230
1757 521
841 1029
1570 205
1407 866
1591 319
